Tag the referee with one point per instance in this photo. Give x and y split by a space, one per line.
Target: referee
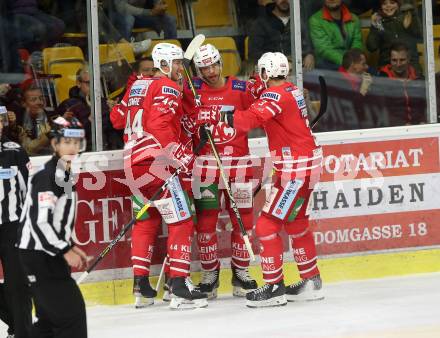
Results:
46 249
14 163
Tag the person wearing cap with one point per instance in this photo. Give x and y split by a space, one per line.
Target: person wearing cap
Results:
47 252
14 171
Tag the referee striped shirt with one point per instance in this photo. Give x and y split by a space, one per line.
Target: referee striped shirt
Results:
14 173
48 214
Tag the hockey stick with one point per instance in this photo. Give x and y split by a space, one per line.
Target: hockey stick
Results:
324 101
162 270
322 111
220 166
193 46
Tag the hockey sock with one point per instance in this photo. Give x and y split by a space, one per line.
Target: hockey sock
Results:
208 247
179 248
142 245
240 256
304 252
272 258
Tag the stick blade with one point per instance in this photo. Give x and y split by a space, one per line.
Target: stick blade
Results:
193 46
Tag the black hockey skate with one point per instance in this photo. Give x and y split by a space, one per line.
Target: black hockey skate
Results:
268 295
305 290
242 283
210 283
143 292
184 295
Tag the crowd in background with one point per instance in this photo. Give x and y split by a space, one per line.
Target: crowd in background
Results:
389 92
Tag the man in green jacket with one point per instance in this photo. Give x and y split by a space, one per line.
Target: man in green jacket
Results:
334 30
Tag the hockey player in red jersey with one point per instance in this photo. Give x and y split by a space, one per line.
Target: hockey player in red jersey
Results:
282 112
225 94
152 137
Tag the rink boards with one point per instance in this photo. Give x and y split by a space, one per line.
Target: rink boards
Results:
375 212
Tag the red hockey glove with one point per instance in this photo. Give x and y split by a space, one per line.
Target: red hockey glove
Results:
208 115
183 156
256 86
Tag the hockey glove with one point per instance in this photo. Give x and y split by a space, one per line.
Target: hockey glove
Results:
203 136
183 157
255 86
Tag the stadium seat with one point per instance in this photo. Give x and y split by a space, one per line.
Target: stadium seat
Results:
67 70
421 50
436 31
229 53
114 52
213 13
246 48
155 42
65 54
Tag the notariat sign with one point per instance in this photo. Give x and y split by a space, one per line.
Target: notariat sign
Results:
378 196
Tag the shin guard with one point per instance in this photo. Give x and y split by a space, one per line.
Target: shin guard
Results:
142 244
208 248
240 256
179 248
304 252
272 258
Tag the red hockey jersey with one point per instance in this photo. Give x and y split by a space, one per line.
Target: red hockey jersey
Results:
232 144
152 113
233 95
282 112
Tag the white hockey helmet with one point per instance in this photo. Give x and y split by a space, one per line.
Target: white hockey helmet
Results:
275 64
206 56
166 52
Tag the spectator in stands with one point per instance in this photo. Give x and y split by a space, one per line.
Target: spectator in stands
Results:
354 69
33 137
248 11
399 67
136 14
406 96
334 30
145 67
271 33
394 23
35 29
79 105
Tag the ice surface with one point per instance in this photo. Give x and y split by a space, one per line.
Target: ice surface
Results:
391 307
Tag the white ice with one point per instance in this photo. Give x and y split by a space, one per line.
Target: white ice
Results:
390 307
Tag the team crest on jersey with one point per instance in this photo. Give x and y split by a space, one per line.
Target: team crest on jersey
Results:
239 85
271 96
222 133
289 89
170 90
